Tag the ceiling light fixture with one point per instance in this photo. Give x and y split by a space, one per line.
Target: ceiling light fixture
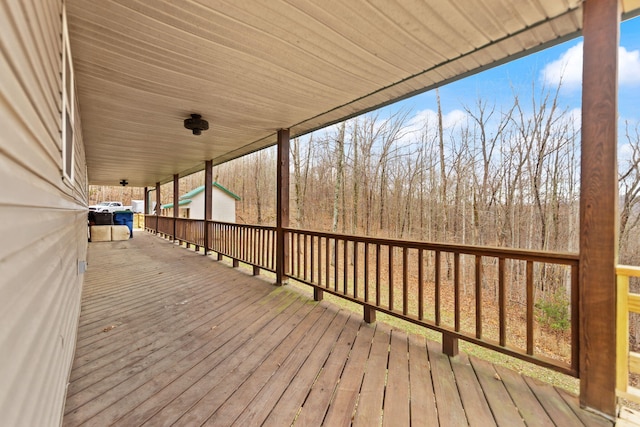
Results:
196 124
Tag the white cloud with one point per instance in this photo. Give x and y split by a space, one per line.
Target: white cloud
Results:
629 72
569 68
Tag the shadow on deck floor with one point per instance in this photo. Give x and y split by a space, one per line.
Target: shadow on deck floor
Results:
168 336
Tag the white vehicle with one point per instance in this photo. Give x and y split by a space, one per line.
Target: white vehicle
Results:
109 207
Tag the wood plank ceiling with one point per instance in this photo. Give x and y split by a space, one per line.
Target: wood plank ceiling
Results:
253 67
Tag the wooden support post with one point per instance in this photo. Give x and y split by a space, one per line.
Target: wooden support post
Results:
157 205
599 206
369 314
256 270
235 263
176 200
219 256
208 200
145 209
449 345
282 206
318 295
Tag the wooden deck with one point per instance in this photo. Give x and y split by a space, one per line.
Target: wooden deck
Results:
168 336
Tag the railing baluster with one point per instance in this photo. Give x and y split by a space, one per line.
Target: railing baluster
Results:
502 302
378 274
530 307
312 275
437 287
355 269
366 272
456 289
297 252
327 261
575 315
336 248
405 281
420 284
390 277
345 266
478 296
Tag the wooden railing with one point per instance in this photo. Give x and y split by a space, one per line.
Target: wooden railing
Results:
165 226
190 231
464 292
251 244
447 288
150 222
627 361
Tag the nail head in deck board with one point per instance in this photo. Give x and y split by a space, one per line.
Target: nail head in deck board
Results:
450 410
423 405
504 410
471 394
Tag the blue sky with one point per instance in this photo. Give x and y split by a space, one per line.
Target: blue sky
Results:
545 67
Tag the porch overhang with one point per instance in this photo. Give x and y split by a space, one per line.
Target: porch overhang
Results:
251 68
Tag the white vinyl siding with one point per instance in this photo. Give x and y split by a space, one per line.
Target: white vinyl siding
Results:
42 218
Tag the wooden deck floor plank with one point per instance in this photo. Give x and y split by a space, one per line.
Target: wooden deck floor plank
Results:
344 400
131 294
369 409
473 398
504 410
528 405
147 330
315 403
556 407
396 398
157 345
111 397
422 400
172 291
180 341
149 305
589 419
318 343
450 409
193 373
229 380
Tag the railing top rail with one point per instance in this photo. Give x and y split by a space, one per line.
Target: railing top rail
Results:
491 251
628 270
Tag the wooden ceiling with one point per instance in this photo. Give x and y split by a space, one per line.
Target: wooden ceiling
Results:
252 67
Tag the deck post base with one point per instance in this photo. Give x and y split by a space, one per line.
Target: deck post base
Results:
449 345
318 295
369 314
